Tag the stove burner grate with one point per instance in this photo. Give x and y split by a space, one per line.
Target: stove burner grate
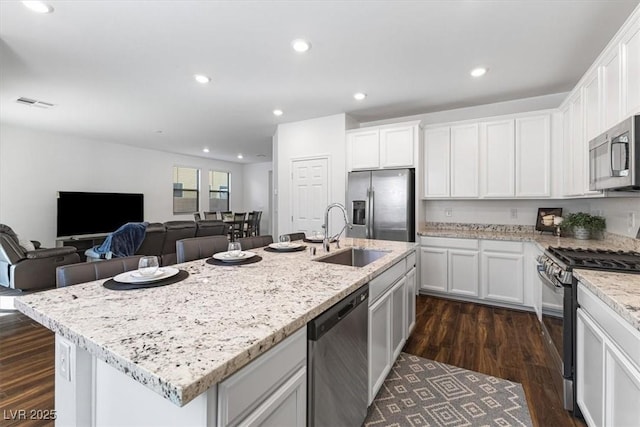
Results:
598 259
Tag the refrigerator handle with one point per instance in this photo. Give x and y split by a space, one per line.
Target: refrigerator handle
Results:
366 214
372 209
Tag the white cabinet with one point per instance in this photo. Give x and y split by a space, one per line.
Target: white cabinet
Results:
270 390
391 316
449 265
630 71
464 161
383 147
533 156
503 274
611 88
608 364
592 104
436 162
497 158
363 149
379 343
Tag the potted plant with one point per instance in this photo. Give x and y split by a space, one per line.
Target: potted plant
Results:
584 226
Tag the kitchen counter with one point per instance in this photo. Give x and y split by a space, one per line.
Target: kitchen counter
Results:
181 339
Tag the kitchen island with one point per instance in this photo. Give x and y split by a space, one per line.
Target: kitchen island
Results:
114 349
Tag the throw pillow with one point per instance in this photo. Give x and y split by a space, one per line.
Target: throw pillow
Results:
27 245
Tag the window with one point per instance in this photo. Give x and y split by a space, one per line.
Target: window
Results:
219 191
186 188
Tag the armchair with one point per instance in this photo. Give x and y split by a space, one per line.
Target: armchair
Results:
30 270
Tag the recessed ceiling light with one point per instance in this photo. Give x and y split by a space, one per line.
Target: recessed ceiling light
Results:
240 156
477 72
300 45
201 78
205 150
38 6
359 96
278 112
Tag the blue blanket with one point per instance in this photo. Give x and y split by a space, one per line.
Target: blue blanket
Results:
125 241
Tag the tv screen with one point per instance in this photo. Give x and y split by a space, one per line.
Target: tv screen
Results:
93 213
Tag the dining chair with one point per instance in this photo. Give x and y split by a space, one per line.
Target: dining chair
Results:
227 216
250 228
237 229
200 247
255 242
296 236
258 219
211 227
73 274
212 215
197 216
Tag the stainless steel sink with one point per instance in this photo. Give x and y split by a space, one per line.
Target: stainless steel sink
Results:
355 257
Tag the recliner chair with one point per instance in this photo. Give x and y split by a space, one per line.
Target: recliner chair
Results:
30 270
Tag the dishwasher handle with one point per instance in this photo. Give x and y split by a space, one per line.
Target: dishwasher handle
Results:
322 324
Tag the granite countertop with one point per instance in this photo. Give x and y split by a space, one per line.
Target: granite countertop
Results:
620 291
181 339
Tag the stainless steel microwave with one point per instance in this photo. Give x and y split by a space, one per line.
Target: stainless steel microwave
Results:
614 158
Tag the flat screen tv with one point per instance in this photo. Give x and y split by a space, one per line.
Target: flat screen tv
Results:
94 213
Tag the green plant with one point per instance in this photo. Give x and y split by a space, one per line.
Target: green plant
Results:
592 223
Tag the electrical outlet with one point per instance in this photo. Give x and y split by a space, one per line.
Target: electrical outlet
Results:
448 212
514 213
64 360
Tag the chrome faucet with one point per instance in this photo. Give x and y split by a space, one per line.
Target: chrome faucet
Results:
326 240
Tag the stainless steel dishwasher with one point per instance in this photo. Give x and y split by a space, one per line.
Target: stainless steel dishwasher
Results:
337 382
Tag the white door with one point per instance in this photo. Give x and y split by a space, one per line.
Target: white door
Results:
309 194
464 160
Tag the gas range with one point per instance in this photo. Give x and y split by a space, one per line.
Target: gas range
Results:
558 262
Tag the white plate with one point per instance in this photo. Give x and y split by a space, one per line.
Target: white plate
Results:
226 256
136 277
284 247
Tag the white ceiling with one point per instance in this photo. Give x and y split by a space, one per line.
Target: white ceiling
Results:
122 71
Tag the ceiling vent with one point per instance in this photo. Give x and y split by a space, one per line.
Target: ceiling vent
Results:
34 102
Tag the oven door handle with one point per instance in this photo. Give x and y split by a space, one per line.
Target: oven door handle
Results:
556 288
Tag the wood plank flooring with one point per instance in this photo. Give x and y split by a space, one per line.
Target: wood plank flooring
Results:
493 341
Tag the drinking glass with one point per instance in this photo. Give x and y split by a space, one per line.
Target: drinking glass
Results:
234 249
148 265
285 240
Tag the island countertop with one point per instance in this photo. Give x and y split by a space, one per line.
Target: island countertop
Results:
181 339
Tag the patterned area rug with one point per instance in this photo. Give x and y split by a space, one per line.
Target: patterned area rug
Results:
421 392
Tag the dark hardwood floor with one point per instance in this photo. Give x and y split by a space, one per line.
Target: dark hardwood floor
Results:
493 341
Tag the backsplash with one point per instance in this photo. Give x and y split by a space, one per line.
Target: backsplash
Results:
500 228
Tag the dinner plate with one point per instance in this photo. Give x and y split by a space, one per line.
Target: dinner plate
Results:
226 256
135 276
316 239
284 247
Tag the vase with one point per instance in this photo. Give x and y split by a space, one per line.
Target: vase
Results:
581 233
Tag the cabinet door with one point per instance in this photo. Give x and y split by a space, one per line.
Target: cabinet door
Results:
398 317
379 343
433 269
465 154
463 272
287 406
503 277
567 152
622 389
630 72
590 369
497 160
397 147
533 156
611 89
592 102
365 149
411 301
436 162
579 147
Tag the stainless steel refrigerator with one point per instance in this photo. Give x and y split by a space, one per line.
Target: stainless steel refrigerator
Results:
381 204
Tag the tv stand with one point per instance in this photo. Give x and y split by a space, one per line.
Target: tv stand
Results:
81 242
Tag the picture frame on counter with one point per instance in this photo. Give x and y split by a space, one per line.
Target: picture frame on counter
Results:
545 217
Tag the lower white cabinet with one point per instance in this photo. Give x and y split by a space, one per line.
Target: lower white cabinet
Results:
608 364
391 318
503 276
463 272
433 269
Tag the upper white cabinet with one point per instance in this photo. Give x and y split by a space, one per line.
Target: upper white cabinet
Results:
611 88
592 106
497 158
533 156
379 147
510 157
631 71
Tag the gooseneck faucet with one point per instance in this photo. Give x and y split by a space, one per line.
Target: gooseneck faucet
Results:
327 239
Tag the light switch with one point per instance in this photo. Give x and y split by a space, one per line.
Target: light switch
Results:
64 360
